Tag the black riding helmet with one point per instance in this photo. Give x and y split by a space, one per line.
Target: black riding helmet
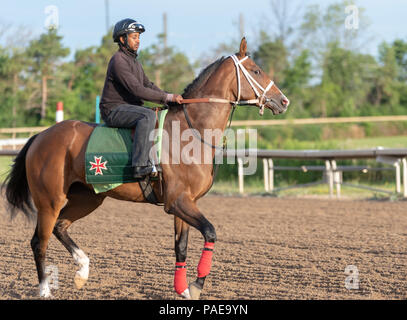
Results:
126 26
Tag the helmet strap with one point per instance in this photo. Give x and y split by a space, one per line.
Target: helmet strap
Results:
126 45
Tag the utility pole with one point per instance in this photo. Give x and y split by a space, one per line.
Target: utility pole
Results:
165 29
241 25
107 15
162 58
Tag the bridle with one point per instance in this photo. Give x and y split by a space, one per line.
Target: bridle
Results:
260 100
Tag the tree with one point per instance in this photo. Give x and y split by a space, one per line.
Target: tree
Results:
346 81
271 56
5 92
13 63
385 77
168 68
321 28
296 82
83 79
46 53
285 17
400 52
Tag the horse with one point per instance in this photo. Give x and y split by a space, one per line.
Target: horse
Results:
49 171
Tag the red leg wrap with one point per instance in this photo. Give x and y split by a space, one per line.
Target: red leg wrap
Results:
180 278
204 266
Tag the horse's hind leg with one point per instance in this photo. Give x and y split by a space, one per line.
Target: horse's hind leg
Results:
81 202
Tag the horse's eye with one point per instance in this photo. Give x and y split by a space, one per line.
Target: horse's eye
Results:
257 72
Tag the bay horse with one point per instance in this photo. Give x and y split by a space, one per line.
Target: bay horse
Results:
49 171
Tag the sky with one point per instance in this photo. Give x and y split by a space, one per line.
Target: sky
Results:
193 26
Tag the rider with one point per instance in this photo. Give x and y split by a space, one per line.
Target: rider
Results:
126 87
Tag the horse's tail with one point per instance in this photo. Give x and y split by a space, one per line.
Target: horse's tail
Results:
17 191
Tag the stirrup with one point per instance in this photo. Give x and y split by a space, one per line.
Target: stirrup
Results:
154 171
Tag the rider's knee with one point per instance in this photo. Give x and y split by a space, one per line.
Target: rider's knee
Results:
148 117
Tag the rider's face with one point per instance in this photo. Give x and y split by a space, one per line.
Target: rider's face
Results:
133 40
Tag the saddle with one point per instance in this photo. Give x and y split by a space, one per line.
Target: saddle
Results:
108 159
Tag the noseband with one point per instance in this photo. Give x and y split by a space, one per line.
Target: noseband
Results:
261 99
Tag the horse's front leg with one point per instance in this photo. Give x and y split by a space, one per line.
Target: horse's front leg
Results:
181 229
186 209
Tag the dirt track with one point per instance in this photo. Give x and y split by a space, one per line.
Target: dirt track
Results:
267 248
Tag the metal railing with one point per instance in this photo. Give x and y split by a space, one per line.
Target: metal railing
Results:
332 172
9 152
276 122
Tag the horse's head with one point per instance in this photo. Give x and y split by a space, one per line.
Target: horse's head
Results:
254 86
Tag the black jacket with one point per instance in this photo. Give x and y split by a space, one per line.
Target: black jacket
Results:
126 83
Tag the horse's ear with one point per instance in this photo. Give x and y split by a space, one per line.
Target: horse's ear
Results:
243 47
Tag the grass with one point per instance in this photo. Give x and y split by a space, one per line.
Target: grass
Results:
257 188
393 142
5 163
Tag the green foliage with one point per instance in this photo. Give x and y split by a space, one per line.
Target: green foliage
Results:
322 71
345 81
76 83
271 56
46 51
298 75
5 166
166 67
400 52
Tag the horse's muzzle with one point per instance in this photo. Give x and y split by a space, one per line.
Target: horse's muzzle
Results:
276 107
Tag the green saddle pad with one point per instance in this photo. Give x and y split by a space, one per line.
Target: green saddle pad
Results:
108 156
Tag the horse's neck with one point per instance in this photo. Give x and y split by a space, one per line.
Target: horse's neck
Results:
203 116
212 115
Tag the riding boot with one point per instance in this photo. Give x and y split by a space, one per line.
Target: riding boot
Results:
140 172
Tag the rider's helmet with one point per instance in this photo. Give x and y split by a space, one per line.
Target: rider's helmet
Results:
126 26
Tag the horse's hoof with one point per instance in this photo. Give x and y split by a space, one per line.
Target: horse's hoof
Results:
194 291
46 295
186 294
44 291
79 281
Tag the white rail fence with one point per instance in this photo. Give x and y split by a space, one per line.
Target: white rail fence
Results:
12 141
332 173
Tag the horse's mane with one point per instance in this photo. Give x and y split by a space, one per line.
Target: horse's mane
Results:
201 79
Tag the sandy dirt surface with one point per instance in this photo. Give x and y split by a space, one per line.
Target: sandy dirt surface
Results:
268 248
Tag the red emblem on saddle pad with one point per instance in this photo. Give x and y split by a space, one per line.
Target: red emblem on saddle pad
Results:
98 165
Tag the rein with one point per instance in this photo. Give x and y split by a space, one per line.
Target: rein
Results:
214 100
